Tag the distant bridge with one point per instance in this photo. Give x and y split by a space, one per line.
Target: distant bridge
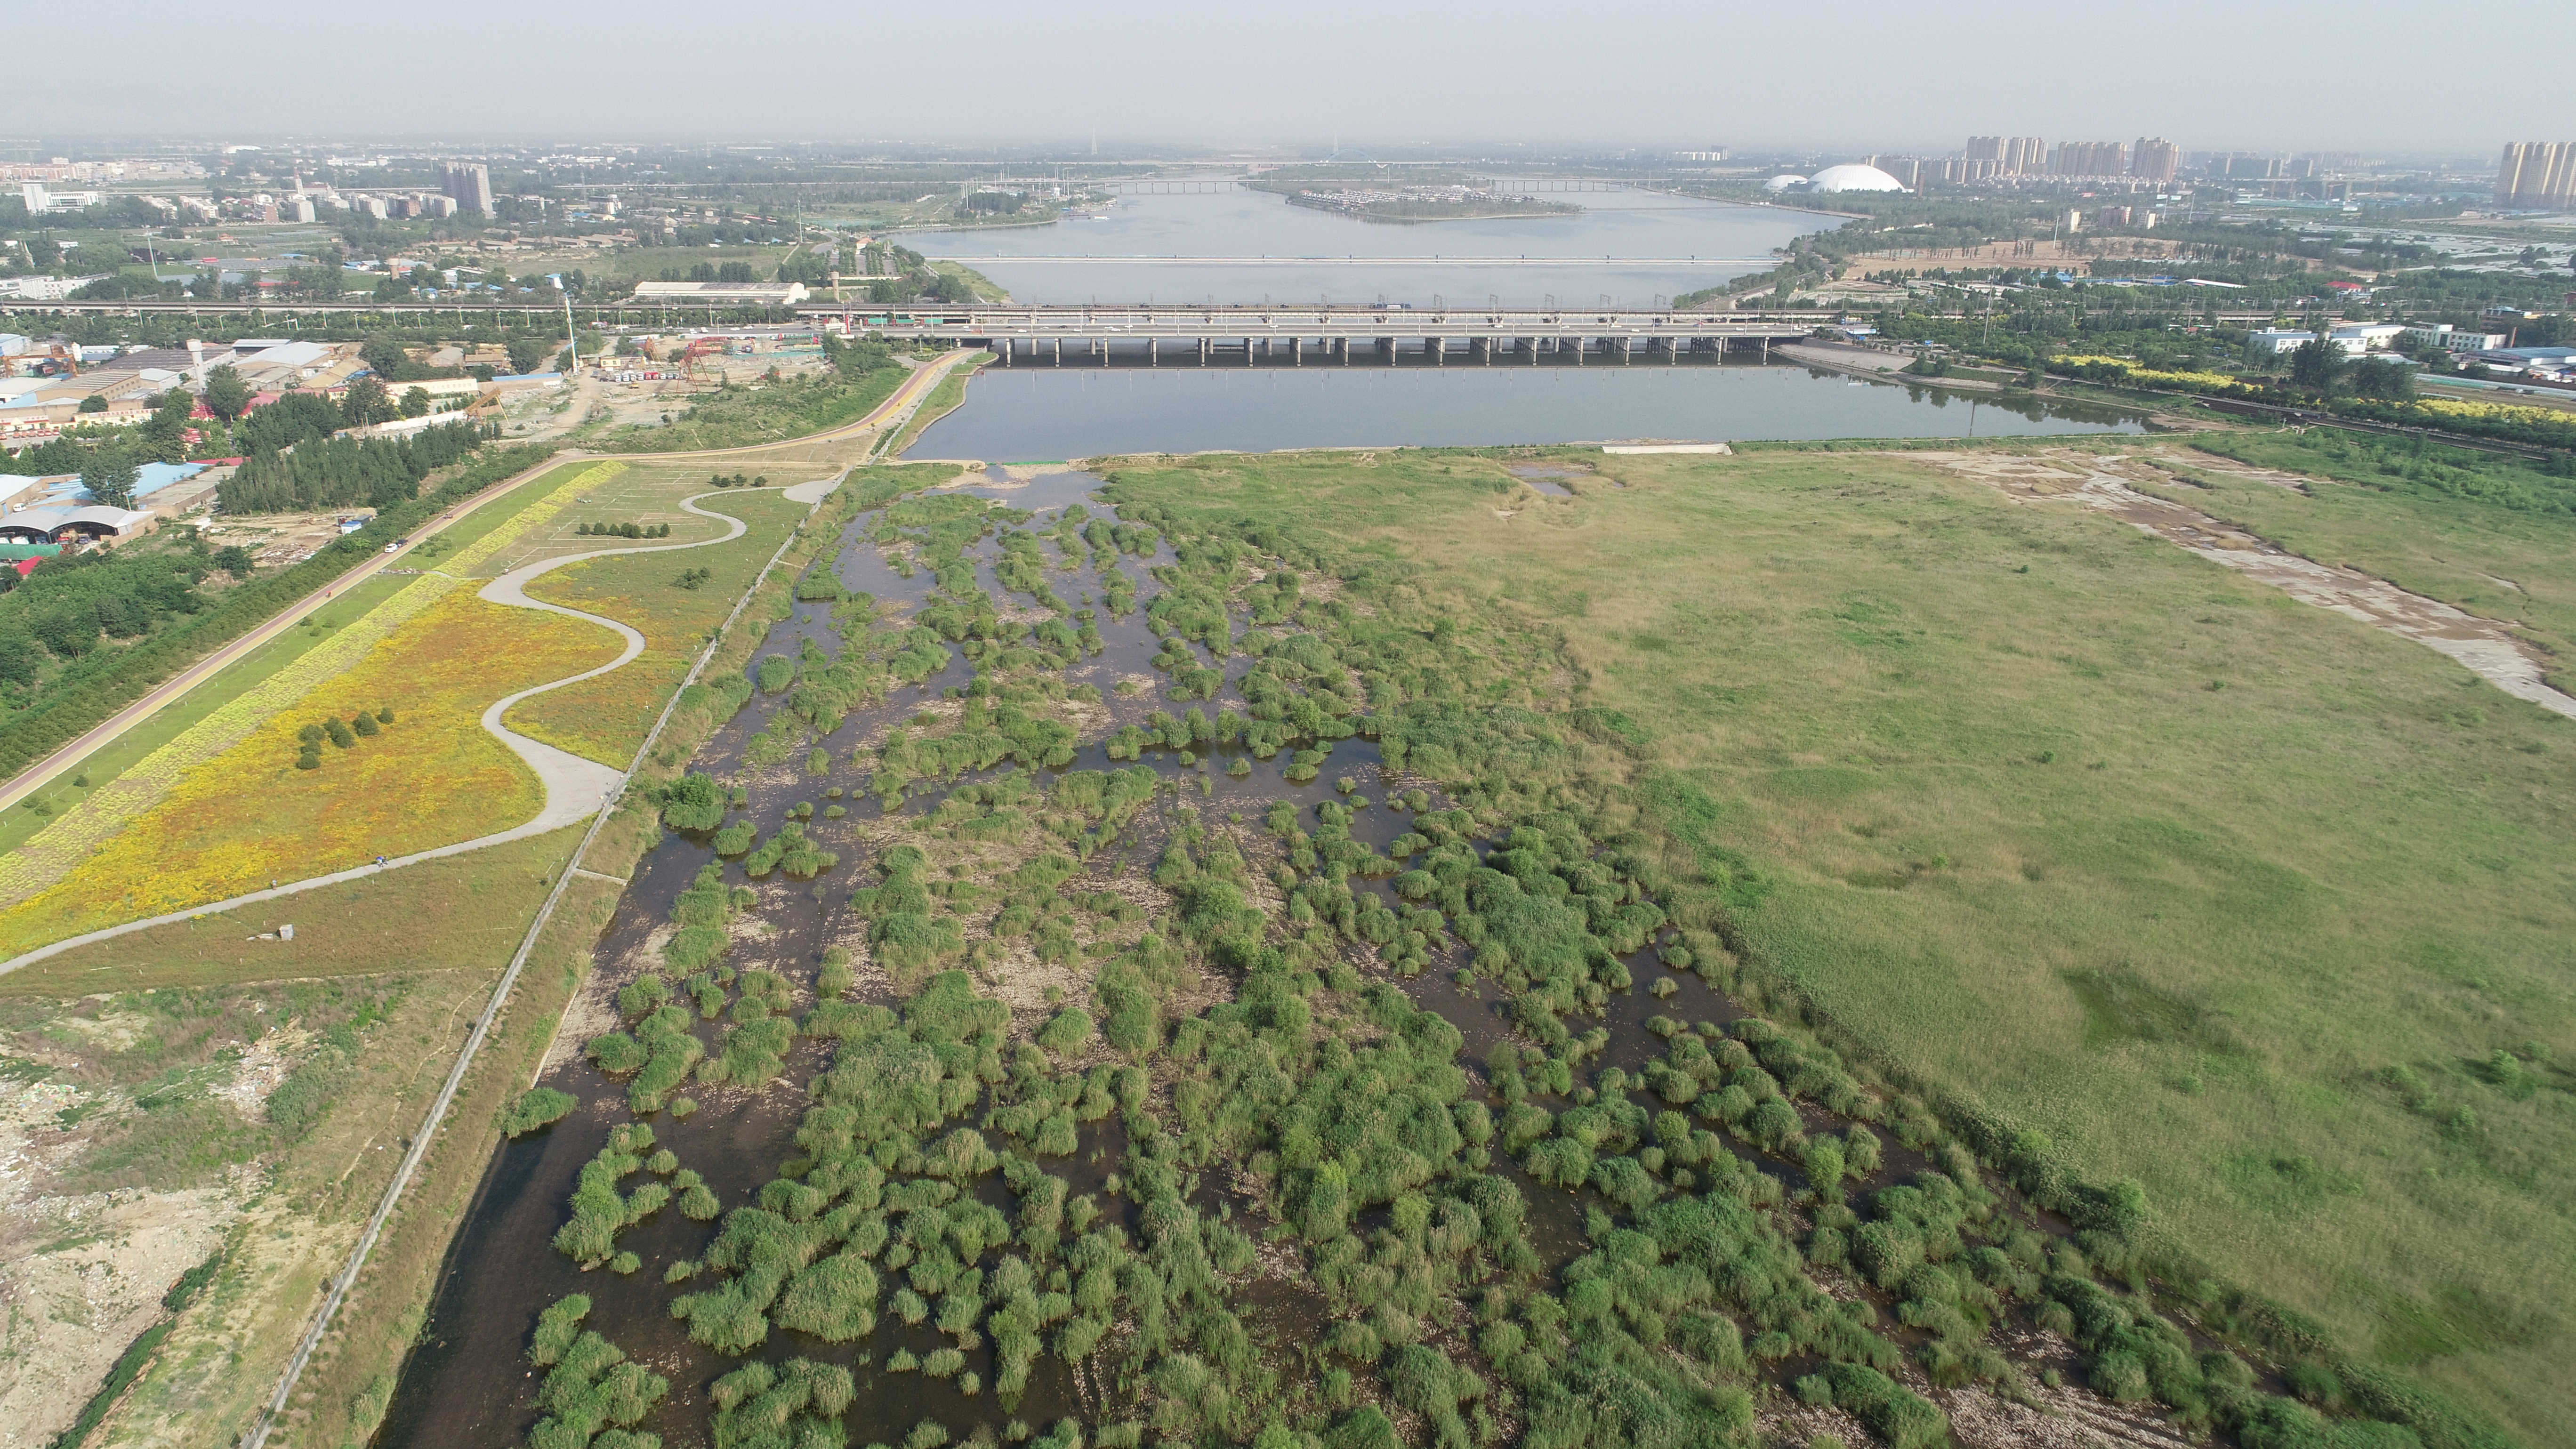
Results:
1327 336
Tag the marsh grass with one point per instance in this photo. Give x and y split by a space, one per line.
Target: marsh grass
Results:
1837 673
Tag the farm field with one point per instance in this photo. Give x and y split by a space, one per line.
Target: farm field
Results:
2221 892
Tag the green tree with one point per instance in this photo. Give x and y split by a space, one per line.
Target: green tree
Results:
2316 364
386 359
94 403
416 402
2383 378
109 477
227 396
527 352
366 403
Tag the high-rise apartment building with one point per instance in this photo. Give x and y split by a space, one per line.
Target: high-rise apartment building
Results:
469 183
2537 173
2088 158
2155 159
2011 155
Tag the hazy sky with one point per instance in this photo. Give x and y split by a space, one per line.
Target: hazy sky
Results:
2374 75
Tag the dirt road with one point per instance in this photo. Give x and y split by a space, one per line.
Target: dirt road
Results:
2101 483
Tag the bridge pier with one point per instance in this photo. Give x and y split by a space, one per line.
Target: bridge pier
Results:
1386 350
1438 347
1627 351
1059 352
1248 359
1578 351
1153 352
1296 352
1007 348
1203 351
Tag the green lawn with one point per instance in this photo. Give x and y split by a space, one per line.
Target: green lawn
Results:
2071 826
228 683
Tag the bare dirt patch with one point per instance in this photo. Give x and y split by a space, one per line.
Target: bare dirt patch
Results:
2487 647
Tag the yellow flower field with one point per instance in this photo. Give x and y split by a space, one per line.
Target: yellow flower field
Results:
2506 412
2149 374
59 849
433 777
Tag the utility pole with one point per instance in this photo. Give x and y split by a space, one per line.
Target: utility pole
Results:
571 343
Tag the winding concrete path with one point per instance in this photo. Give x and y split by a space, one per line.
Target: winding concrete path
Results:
575 789
108 730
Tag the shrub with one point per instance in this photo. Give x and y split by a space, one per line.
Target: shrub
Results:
1067 1032
1895 1413
693 802
536 1108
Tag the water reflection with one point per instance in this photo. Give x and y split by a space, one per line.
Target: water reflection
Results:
1043 413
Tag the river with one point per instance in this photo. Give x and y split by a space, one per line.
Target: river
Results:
1045 413
1632 248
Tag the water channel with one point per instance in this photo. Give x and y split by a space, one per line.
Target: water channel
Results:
1633 247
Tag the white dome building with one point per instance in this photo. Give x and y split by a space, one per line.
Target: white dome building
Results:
1783 183
1854 177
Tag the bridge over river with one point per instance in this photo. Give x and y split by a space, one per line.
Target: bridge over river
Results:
1328 336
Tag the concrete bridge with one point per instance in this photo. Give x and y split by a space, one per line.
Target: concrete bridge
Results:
1329 336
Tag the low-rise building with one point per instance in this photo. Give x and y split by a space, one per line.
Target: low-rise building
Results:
722 294
61 525
2449 338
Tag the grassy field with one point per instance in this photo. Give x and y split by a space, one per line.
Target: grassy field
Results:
247 1100
775 413
236 679
432 776
605 719
614 491
476 903
2075 828
2361 508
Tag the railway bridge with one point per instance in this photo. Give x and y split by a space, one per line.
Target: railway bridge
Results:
1151 336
